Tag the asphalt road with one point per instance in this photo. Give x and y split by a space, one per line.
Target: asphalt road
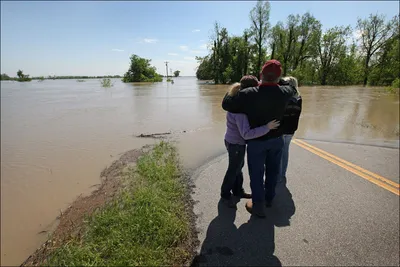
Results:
331 211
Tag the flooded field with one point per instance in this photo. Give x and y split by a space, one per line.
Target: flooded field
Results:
58 135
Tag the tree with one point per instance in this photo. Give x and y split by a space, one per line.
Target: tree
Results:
205 70
305 52
291 37
294 42
348 70
20 74
22 77
306 43
224 55
176 73
387 61
374 33
259 17
5 77
140 70
331 48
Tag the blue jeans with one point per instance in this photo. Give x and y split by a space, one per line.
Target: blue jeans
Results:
233 180
260 153
285 156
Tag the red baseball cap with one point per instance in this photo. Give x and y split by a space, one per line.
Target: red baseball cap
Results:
271 70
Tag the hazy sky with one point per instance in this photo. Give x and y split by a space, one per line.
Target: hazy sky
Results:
97 38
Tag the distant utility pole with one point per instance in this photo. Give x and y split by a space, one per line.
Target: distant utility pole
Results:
166 67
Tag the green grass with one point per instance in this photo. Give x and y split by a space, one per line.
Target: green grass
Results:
145 225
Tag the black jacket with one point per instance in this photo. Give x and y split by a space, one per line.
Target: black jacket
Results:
261 105
290 120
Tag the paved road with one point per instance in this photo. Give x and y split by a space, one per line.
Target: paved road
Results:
326 214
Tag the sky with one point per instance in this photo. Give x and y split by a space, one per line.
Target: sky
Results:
97 37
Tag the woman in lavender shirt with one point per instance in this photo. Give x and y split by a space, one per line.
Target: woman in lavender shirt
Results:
238 131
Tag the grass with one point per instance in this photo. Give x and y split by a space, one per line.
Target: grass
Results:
145 225
106 82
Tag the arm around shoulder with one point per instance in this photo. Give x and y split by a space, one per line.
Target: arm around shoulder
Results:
233 104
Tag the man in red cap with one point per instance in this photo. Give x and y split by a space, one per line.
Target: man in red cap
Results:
262 104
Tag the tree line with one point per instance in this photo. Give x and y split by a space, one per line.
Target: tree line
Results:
314 56
23 77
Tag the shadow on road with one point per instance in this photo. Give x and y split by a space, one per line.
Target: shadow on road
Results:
253 243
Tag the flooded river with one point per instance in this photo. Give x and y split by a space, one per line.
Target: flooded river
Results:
57 136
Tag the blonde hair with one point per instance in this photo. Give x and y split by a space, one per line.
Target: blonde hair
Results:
234 89
293 82
245 81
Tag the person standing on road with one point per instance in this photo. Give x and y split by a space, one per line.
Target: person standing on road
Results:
289 124
237 131
262 104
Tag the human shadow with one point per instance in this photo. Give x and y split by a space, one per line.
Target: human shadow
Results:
253 243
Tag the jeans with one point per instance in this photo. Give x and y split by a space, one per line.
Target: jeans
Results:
260 153
233 180
285 156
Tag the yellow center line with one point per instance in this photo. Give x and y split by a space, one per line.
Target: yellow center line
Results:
376 176
350 169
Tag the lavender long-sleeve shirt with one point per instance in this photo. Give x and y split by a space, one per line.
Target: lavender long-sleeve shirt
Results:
238 129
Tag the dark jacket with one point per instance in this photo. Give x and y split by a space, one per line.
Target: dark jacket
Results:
290 120
261 105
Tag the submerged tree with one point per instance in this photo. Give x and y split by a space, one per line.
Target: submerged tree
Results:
20 74
140 70
5 77
176 73
259 17
374 34
331 47
22 77
305 51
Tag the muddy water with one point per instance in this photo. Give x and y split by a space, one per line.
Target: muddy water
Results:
57 136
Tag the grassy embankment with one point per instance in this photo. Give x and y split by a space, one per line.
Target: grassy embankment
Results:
148 223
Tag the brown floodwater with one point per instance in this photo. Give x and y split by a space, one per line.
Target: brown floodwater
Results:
57 136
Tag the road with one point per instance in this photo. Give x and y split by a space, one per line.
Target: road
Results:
340 208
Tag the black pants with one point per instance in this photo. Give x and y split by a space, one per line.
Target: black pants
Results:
233 180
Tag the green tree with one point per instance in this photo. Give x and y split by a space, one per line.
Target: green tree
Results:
374 34
5 77
331 48
259 18
224 55
387 60
140 70
205 70
306 43
22 77
176 73
348 69
294 42
20 74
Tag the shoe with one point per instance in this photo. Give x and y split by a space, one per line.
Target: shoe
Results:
243 194
257 209
229 202
268 204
